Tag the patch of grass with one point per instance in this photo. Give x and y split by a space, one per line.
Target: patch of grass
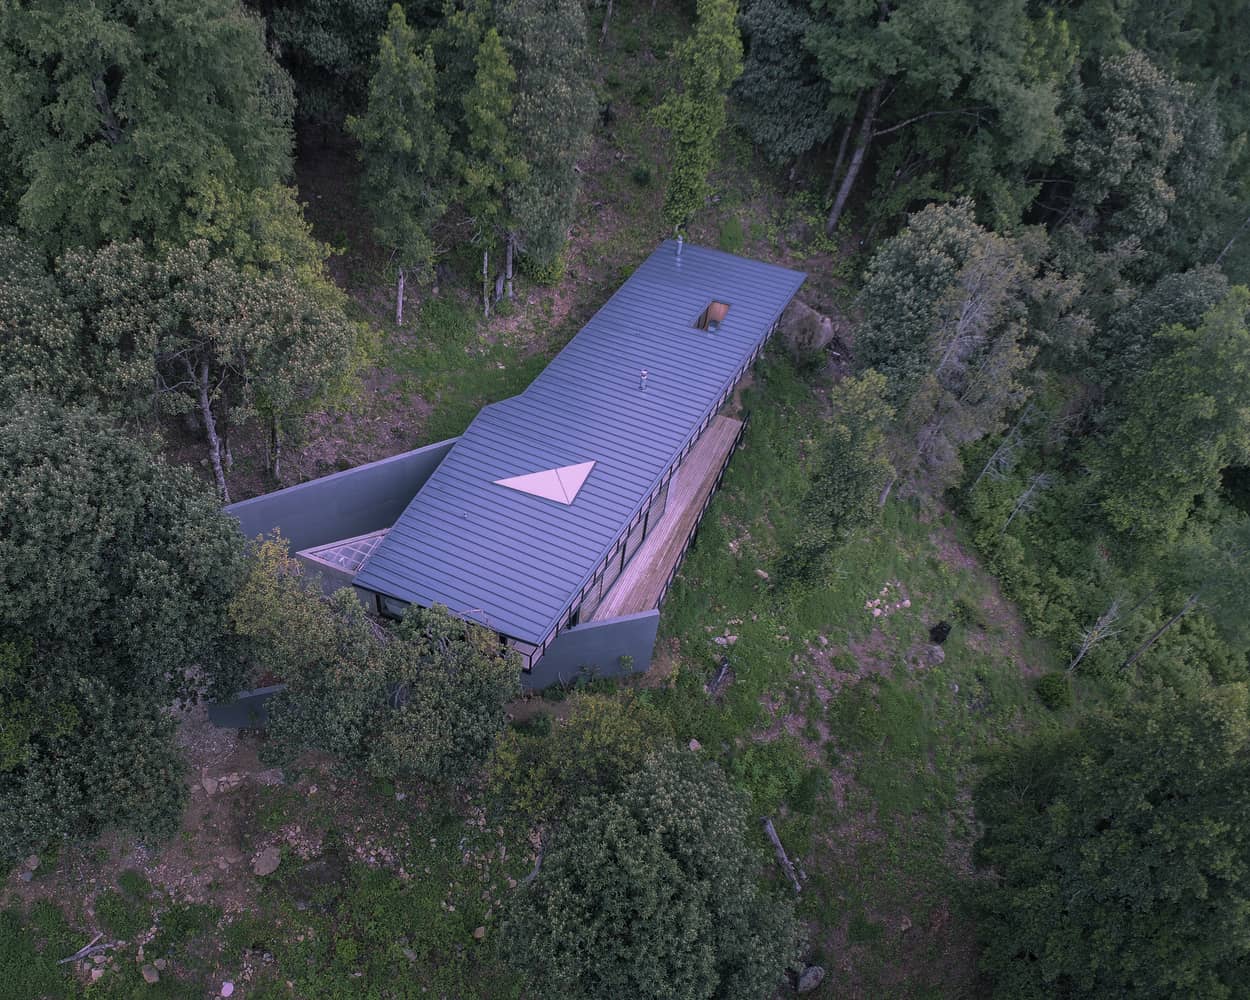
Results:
29 951
122 915
769 772
732 238
181 924
861 930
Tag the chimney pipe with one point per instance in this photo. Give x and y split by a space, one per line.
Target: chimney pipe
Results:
679 243
642 380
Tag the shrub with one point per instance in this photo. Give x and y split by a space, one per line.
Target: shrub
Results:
732 237
652 892
641 175
1054 691
544 273
121 915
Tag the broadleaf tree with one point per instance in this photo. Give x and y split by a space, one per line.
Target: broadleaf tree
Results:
118 573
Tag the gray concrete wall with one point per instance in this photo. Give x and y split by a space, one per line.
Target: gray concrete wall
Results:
249 711
597 649
343 505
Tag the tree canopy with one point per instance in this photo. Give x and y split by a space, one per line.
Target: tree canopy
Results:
665 858
1123 855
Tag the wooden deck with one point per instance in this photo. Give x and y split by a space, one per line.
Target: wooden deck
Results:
641 584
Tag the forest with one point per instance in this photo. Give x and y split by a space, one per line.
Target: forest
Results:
952 695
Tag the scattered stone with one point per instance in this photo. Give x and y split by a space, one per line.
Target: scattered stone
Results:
227 989
273 776
229 782
400 796
210 785
267 861
99 959
932 656
150 975
810 978
721 640
26 876
761 574
730 640
905 924
479 933
410 954
695 746
31 863
160 964
823 640
96 973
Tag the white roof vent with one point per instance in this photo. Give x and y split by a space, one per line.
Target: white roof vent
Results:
561 485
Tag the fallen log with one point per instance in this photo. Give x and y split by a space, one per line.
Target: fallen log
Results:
783 859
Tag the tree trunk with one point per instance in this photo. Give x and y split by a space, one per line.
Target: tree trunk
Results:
862 141
607 16
399 298
507 265
837 164
227 456
210 430
276 440
885 492
1190 603
485 284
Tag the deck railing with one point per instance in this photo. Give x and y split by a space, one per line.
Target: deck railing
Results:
694 529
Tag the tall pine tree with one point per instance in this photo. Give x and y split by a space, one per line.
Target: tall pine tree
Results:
405 182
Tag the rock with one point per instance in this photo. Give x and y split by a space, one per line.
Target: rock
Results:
904 925
96 973
99 959
26 876
761 574
932 656
479 933
227 989
229 782
267 861
721 640
160 964
823 640
210 785
150 975
730 640
410 954
810 978
273 776
804 330
31 863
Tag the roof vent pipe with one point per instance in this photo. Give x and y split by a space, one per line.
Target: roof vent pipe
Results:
642 379
679 243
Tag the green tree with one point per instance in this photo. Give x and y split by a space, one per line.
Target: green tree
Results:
1122 855
708 62
601 742
554 112
666 860
781 98
852 469
119 115
968 89
406 178
327 45
424 698
118 570
1183 422
187 333
945 309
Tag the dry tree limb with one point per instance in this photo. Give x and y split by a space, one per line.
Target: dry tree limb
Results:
90 948
783 859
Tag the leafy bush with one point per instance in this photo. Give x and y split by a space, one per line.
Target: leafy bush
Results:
1054 691
121 914
770 773
641 175
666 857
544 273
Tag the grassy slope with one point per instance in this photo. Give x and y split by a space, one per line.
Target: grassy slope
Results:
830 725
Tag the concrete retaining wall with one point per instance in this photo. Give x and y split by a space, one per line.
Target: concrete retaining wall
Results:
344 504
610 648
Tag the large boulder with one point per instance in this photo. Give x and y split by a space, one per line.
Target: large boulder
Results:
809 979
804 330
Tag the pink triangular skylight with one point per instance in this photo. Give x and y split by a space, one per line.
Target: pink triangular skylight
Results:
561 485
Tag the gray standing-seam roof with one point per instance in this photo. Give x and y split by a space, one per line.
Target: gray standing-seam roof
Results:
516 562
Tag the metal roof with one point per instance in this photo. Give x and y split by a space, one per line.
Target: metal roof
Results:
515 561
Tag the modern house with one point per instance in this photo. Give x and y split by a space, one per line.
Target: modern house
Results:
560 516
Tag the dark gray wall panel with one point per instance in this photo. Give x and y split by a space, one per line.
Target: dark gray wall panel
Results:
345 504
597 648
